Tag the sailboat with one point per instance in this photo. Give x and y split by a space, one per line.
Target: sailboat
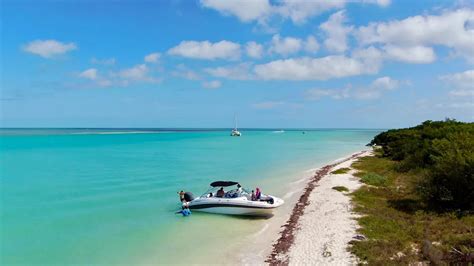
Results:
235 132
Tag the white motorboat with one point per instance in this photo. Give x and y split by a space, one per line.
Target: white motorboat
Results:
233 200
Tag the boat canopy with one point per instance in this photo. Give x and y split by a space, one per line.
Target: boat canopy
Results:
223 183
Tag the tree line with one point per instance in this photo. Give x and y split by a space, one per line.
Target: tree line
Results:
443 153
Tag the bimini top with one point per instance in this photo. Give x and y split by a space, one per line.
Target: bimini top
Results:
223 183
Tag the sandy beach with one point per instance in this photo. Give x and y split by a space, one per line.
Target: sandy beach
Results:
321 223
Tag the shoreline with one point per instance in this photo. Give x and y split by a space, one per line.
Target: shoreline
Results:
287 244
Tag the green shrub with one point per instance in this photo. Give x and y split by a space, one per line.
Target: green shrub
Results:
340 188
444 150
341 171
374 179
450 183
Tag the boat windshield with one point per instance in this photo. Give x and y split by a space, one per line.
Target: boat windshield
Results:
229 192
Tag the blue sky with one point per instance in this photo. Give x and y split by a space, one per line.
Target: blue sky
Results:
279 64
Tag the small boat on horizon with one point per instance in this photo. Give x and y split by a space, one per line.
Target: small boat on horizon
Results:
234 201
235 132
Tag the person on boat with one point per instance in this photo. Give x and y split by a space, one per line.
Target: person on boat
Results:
239 189
220 193
253 197
258 194
181 196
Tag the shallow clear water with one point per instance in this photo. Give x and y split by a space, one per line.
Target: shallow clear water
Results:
100 197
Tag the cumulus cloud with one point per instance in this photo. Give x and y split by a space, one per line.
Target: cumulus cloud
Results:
411 54
311 45
461 84
245 10
90 73
372 91
285 46
382 3
447 29
138 72
336 32
298 11
152 58
183 72
254 50
48 48
236 72
213 84
207 50
305 68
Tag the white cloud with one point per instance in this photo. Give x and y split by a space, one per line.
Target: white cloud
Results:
184 72
316 94
93 75
447 29
298 11
106 62
461 84
311 45
382 3
373 91
236 72
90 73
268 104
254 50
385 83
306 68
213 84
48 48
285 46
138 72
207 50
411 54
336 32
245 10
152 58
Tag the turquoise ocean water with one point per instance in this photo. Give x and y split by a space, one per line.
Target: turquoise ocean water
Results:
108 196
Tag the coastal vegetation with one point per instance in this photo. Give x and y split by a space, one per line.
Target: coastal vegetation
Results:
418 201
341 171
444 150
340 188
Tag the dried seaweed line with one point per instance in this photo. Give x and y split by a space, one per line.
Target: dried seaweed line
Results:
278 256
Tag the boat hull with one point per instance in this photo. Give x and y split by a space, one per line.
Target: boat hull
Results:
236 211
237 206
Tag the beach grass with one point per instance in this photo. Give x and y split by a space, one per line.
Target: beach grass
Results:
340 188
341 171
398 226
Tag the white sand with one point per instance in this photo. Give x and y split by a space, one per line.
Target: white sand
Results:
327 224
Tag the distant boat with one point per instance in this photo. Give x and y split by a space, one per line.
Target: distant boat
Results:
279 131
235 132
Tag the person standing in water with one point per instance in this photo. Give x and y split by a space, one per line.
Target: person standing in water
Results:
181 196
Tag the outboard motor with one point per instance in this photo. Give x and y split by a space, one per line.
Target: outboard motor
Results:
188 196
